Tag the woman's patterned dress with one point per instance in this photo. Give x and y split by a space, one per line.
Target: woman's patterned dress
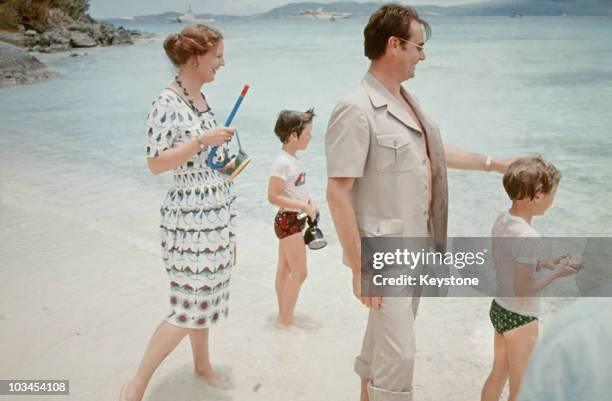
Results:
198 220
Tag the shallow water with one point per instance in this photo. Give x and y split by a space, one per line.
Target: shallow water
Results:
496 85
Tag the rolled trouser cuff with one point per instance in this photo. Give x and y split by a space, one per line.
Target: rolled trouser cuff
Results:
379 394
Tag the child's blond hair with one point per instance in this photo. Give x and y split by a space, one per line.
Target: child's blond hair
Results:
530 175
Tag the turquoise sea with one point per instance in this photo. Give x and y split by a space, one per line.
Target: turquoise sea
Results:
498 85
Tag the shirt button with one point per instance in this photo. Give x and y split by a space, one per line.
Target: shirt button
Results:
424 160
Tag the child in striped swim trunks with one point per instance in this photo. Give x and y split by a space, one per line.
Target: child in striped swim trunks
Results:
531 184
287 190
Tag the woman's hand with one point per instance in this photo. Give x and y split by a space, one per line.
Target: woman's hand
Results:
217 136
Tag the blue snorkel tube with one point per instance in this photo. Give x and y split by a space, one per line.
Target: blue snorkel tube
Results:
213 151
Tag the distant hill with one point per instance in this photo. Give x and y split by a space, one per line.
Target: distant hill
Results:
339 6
534 7
498 7
486 8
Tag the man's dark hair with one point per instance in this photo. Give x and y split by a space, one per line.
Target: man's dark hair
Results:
289 121
389 20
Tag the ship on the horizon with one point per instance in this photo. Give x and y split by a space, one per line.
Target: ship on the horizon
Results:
190 18
318 13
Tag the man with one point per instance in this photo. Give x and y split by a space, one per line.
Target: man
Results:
387 177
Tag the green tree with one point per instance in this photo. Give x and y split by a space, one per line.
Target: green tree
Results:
74 8
33 13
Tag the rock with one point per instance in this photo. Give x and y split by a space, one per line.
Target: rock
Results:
19 67
57 47
80 39
50 41
66 33
57 37
14 38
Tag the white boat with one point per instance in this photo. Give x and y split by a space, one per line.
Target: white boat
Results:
319 14
190 18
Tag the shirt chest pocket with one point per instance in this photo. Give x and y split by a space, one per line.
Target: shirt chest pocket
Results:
393 153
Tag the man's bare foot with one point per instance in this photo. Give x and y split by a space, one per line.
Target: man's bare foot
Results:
364 390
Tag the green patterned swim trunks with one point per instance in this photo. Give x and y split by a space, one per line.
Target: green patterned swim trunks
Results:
504 320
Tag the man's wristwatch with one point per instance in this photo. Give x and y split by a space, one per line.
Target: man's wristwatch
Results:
488 163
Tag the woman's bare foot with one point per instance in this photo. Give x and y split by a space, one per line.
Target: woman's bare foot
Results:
131 391
209 377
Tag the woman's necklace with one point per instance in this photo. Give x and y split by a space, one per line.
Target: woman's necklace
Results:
188 97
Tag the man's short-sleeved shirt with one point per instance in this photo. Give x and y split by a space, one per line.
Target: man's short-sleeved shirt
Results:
372 138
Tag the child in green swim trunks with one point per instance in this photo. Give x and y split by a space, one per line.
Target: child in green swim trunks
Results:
531 184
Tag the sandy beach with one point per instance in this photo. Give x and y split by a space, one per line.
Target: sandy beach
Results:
84 289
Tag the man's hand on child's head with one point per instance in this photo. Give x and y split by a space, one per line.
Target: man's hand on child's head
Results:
501 166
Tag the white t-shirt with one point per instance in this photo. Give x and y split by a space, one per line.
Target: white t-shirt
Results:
514 241
289 169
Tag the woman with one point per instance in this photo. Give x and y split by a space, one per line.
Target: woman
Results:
197 216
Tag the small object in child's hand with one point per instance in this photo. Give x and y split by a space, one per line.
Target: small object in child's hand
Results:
571 261
313 236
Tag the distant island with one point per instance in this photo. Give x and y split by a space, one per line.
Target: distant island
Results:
349 9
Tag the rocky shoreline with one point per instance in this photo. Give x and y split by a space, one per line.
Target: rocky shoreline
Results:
62 34
17 66
77 35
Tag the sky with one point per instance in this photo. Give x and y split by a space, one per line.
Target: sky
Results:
122 8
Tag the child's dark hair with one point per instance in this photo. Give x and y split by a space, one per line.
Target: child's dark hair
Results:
289 121
530 175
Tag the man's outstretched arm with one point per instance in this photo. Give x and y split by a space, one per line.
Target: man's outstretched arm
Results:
463 160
